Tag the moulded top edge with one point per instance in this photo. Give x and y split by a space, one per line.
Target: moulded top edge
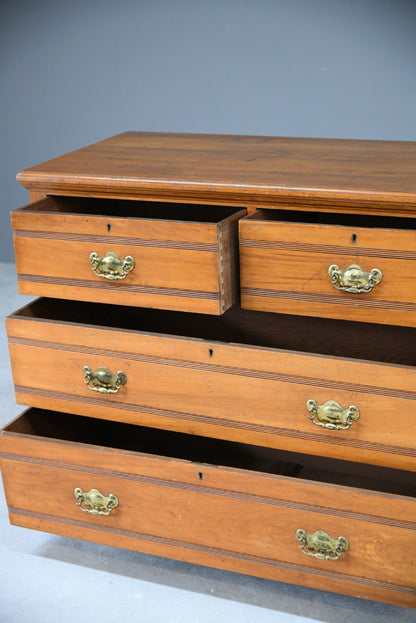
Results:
271 195
242 168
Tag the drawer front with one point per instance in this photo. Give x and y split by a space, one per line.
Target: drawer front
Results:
331 271
306 403
129 261
227 520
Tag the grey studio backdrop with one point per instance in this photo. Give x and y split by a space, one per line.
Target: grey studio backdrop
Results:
75 72
72 73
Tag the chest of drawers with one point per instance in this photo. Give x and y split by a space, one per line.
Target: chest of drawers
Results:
272 436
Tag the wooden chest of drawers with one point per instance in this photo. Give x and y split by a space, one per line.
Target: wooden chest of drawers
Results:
275 437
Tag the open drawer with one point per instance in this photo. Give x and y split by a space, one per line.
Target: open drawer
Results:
323 523
169 256
331 388
331 265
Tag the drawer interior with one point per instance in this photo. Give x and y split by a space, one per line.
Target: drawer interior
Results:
337 338
41 424
333 218
132 209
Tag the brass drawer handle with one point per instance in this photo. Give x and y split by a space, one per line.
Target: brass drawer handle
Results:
331 415
111 266
103 380
321 545
354 279
94 502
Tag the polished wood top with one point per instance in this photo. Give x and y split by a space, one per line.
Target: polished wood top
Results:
239 170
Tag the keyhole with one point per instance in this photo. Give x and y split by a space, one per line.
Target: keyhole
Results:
108 227
200 475
211 352
354 238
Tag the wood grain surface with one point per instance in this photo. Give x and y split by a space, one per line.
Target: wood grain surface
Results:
179 264
209 445
173 503
243 393
352 175
284 268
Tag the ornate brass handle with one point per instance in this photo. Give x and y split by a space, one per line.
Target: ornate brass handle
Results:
94 502
111 266
103 380
321 545
331 415
354 279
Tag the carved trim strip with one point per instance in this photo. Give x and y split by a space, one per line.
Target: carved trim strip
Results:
215 551
137 242
120 286
278 245
311 297
215 421
220 369
224 493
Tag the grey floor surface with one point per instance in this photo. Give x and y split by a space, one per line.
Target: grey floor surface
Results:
47 578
